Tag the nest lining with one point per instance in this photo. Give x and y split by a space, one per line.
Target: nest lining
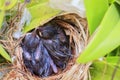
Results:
78 37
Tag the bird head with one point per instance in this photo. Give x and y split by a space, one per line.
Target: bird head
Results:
31 40
47 32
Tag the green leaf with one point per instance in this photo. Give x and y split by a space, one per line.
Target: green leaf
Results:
2 4
106 38
118 1
113 60
95 10
111 1
102 71
2 13
40 14
34 2
4 53
9 4
5 5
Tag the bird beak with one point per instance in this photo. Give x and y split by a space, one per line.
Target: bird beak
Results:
40 33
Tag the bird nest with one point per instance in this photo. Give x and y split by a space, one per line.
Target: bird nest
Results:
77 30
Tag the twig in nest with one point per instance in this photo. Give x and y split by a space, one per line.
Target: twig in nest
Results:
74 35
77 72
68 26
8 68
82 30
18 16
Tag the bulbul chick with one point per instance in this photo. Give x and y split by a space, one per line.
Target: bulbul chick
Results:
47 51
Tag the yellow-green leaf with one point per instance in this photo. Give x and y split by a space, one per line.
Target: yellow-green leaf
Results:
33 2
2 13
95 10
118 1
106 38
100 70
113 60
111 1
40 13
4 53
2 4
9 4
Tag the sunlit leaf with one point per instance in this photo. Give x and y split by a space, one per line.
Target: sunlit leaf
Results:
2 4
5 5
2 13
95 10
113 60
34 2
40 13
111 1
4 53
103 71
118 1
9 4
106 37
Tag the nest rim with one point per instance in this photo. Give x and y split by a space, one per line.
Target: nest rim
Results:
52 77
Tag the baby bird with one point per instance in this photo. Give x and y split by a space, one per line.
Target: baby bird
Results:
29 44
56 44
44 52
47 31
45 66
36 57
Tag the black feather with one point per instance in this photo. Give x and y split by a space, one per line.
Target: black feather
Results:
43 53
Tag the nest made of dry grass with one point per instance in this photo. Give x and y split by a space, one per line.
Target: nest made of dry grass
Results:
78 33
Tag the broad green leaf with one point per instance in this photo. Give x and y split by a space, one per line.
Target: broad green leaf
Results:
95 10
4 53
2 13
111 1
106 37
118 1
2 4
102 71
114 60
40 14
34 2
5 5
9 4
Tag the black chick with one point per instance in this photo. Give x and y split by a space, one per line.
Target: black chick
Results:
48 63
42 67
29 45
45 66
60 56
42 54
40 63
48 31
57 46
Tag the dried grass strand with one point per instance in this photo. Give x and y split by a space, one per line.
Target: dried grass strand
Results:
74 71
